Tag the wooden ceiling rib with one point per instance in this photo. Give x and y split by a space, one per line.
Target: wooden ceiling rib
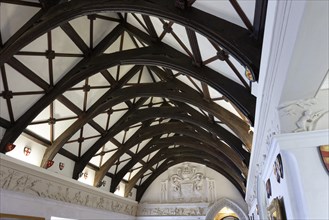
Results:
157 103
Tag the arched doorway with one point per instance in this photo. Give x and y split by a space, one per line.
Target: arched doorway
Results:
225 205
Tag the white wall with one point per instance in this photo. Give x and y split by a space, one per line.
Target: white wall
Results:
306 190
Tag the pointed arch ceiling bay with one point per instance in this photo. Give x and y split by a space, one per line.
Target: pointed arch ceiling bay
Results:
130 87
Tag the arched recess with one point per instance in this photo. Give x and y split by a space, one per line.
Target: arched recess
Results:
174 127
224 202
162 143
168 153
176 159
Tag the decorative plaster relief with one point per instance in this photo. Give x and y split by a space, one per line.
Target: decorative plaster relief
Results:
20 181
187 184
194 209
302 115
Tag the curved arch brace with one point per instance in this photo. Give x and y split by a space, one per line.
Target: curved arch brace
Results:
136 56
166 142
233 38
111 98
180 152
176 160
171 127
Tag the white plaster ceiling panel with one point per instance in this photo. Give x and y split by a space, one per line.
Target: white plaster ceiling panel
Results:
89 131
134 172
112 169
190 81
72 148
114 47
147 172
126 177
158 26
137 22
173 42
121 137
102 27
101 119
95 160
61 65
76 97
61 126
127 42
228 106
44 115
75 136
63 44
107 156
143 143
109 146
137 165
131 132
86 144
98 80
24 100
17 82
134 149
13 17
61 111
122 164
223 67
93 95
225 10
81 26
42 130
124 157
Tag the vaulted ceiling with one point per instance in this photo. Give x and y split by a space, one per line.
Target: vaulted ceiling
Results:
132 87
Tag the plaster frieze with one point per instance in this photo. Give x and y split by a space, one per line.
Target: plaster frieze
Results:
175 209
19 178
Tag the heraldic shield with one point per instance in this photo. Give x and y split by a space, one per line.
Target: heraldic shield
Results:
324 150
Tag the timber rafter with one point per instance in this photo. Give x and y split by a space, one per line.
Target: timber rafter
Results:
222 149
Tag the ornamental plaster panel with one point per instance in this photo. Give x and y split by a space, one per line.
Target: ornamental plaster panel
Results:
304 115
175 209
188 183
18 178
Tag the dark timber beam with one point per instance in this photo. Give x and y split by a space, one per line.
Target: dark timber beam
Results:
159 144
180 152
52 93
146 56
231 37
86 116
259 19
178 128
171 161
169 90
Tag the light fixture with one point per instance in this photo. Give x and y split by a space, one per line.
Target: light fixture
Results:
27 151
10 147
